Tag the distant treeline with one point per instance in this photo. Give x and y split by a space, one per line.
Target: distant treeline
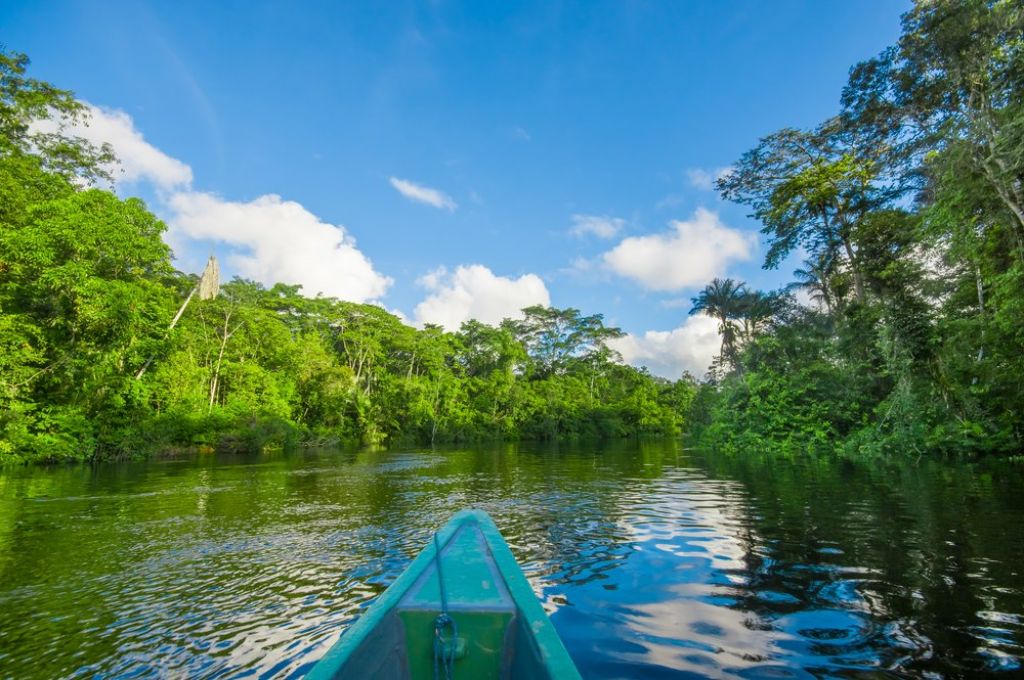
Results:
89 368
909 205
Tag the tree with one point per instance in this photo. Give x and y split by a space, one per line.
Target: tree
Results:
756 308
558 338
911 199
722 299
485 349
81 284
956 75
808 189
818 276
26 101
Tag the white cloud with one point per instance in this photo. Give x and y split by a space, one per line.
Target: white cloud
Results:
805 298
271 240
690 254
521 133
138 159
690 347
280 241
475 292
601 226
705 180
401 315
700 179
422 194
581 266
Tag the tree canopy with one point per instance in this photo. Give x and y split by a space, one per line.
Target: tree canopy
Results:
909 205
90 366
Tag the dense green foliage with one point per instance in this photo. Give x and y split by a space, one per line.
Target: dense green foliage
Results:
909 206
90 368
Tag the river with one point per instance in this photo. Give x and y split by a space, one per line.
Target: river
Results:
652 560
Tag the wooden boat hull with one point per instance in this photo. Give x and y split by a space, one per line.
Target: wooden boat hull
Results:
503 631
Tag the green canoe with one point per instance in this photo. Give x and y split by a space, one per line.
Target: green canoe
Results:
495 627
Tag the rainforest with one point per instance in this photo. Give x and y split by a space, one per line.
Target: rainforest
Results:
108 354
901 334
780 439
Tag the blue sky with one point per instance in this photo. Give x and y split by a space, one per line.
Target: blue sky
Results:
547 151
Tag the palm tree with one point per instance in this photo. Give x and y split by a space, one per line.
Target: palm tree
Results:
817 278
722 299
755 309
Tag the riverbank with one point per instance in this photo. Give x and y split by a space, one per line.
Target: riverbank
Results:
255 435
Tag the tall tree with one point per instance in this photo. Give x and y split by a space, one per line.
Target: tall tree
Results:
955 76
555 338
722 299
808 189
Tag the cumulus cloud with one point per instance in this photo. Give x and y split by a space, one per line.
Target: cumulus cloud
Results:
421 194
271 240
280 241
601 226
705 179
690 347
475 292
690 254
138 159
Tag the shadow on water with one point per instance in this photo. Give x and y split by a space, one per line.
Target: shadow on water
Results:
652 561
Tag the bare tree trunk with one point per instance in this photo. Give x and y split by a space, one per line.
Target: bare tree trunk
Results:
216 371
412 363
177 317
220 358
1017 211
174 322
858 280
437 403
1008 192
208 286
981 307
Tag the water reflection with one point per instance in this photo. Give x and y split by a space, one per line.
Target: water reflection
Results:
652 561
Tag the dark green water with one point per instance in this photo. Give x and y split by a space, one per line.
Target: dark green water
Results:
653 561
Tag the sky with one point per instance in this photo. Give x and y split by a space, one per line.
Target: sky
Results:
458 160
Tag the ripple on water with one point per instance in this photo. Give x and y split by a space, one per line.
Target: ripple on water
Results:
675 569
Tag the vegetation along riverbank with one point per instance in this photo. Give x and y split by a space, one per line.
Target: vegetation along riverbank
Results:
909 208
904 330
89 368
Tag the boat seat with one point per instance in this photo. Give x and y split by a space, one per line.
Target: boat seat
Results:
478 602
